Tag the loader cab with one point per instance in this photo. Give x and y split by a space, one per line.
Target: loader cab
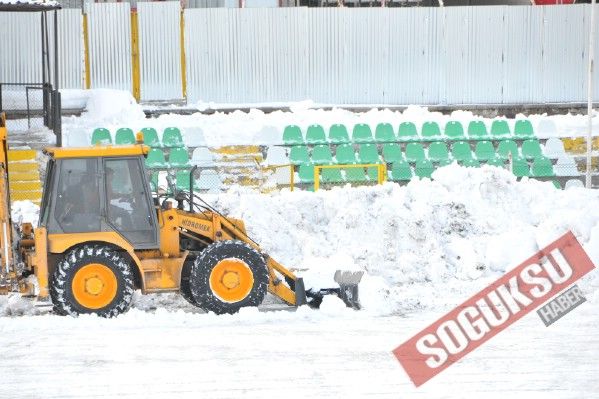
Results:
100 189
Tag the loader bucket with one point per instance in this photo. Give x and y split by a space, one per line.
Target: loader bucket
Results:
347 291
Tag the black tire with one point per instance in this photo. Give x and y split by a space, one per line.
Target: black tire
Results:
61 288
185 288
202 268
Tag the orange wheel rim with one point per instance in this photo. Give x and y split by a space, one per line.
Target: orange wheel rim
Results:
231 280
94 286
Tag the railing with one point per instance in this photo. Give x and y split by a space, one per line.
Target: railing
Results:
381 171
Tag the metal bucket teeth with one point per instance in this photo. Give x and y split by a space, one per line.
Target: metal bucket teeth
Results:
344 277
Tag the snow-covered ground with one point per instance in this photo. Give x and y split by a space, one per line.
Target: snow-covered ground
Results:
425 247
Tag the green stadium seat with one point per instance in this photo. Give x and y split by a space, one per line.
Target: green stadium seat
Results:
520 167
392 153
182 180
437 151
500 128
154 181
345 154
384 133
470 163
407 132
454 130
355 175
338 134
401 171
557 184
321 154
431 130
151 137
178 158
155 159
415 152
477 130
124 136
506 147
460 150
445 162
531 149
373 173
424 168
496 162
101 136
368 153
523 129
315 135
484 150
299 155
292 135
362 134
542 167
306 173
171 137
331 175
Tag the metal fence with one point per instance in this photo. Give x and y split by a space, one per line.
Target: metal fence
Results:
451 55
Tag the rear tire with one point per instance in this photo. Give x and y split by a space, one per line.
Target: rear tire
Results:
185 288
92 279
227 276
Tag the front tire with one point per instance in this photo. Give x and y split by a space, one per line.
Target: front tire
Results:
92 279
227 276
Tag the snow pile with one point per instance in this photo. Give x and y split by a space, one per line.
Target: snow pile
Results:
104 108
43 3
24 212
421 245
112 106
15 305
430 244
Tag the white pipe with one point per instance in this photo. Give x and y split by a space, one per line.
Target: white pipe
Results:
5 243
590 95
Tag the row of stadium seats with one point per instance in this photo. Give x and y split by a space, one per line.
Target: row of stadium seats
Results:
178 157
207 180
407 131
403 170
171 137
436 151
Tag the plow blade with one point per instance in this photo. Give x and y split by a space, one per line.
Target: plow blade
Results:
347 290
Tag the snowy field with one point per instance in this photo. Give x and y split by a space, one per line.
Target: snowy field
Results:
425 247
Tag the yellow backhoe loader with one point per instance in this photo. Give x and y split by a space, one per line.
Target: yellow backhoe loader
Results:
102 234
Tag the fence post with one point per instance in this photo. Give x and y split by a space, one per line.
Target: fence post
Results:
87 76
135 52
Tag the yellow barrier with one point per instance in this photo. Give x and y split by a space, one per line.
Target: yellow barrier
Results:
381 171
86 52
135 74
291 173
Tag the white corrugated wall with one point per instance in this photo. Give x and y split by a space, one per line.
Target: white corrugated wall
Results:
110 45
451 55
21 59
160 50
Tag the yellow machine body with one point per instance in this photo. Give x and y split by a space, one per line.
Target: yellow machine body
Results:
102 234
